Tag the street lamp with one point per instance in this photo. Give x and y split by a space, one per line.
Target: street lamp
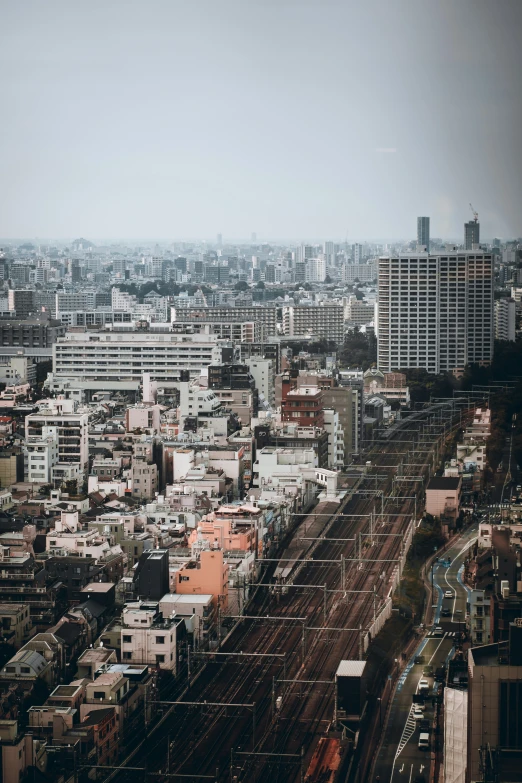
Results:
380 712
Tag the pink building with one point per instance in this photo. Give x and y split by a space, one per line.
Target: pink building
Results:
230 527
207 574
143 417
443 497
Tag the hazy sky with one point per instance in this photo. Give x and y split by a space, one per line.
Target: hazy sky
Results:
291 118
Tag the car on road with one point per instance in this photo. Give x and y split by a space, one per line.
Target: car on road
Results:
428 670
424 686
417 713
449 594
424 741
445 613
425 724
419 659
437 630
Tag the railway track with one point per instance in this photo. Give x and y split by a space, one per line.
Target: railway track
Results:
200 740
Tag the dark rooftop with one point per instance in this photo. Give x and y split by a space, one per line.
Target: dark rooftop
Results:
444 482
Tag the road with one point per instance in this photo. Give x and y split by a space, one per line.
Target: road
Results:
399 760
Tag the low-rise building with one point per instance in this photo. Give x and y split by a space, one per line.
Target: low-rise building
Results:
16 625
443 497
148 638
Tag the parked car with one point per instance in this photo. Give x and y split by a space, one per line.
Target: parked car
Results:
425 725
424 686
418 714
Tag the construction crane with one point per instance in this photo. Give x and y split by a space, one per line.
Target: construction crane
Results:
475 214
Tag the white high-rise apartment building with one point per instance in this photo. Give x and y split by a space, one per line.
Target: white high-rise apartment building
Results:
315 270
505 319
435 311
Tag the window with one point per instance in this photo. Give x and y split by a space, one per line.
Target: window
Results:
127 638
160 659
127 655
160 640
98 695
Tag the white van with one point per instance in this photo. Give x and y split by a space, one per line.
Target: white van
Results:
424 741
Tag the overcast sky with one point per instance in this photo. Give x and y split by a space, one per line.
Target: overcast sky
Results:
302 119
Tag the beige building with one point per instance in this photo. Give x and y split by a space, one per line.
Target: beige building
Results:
144 479
15 624
443 497
494 698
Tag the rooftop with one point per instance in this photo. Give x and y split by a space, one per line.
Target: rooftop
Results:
350 669
443 482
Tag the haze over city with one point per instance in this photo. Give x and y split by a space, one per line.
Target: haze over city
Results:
297 120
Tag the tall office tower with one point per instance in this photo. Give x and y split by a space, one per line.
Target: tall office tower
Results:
357 254
304 252
435 312
471 234
423 232
219 240
329 253
253 238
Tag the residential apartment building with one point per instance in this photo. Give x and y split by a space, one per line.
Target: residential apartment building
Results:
364 273
116 357
479 617
325 321
494 697
69 301
34 337
42 456
435 312
237 331
303 406
345 401
22 302
60 419
357 312
263 372
267 316
505 319
147 637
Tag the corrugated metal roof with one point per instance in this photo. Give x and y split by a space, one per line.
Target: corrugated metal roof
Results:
350 669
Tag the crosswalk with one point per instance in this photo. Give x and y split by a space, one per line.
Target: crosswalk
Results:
407 732
434 635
